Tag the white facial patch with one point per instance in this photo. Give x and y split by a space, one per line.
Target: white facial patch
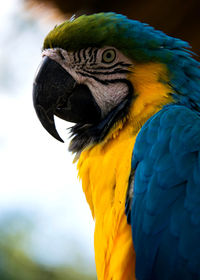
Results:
107 96
106 80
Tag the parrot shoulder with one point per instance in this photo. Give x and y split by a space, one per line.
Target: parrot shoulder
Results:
164 208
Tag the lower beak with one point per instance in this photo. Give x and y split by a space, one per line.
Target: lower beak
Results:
55 92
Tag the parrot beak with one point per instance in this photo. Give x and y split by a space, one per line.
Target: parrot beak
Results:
55 92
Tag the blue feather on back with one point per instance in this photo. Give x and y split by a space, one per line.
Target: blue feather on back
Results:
165 213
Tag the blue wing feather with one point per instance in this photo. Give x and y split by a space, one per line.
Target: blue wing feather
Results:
165 212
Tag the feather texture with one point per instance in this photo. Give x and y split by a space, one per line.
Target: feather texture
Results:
166 203
137 40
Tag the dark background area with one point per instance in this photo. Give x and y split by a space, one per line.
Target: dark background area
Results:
178 18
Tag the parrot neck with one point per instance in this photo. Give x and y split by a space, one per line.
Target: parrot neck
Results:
151 92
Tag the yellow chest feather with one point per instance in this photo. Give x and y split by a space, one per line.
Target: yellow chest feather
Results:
105 169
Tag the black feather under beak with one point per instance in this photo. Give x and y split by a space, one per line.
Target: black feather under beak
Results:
55 92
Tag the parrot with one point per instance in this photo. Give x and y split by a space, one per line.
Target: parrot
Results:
132 94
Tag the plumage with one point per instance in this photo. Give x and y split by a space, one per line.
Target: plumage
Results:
165 216
139 155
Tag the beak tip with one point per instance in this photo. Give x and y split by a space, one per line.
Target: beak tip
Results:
60 139
51 128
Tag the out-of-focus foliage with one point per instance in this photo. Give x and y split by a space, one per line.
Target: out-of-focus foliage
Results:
15 261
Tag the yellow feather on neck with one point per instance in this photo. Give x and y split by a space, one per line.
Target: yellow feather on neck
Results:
105 168
151 90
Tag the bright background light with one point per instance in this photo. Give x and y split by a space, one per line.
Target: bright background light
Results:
37 174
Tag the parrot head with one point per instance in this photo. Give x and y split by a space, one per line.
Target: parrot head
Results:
91 73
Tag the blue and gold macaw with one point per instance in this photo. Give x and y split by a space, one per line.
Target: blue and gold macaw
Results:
134 96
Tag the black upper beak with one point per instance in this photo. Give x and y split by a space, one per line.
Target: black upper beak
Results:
55 92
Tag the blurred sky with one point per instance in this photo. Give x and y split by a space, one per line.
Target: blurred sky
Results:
37 174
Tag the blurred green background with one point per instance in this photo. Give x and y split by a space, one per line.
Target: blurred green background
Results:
16 261
46 229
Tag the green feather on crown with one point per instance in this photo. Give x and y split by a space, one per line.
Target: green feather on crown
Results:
137 40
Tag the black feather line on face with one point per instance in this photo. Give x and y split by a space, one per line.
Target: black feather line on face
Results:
87 134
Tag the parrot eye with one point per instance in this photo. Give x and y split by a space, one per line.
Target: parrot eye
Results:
108 56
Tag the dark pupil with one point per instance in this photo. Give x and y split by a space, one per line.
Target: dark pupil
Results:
108 55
